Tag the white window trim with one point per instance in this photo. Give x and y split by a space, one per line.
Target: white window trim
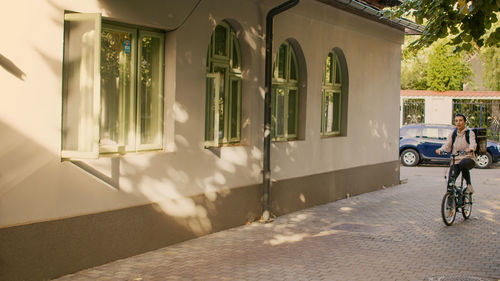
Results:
215 141
96 88
97 149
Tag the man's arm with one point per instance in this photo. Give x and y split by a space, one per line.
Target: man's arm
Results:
447 145
472 140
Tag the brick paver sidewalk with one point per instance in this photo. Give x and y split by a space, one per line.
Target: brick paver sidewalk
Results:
391 234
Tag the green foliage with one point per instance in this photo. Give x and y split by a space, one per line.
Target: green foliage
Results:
145 61
110 50
490 57
467 22
447 70
435 68
413 73
413 67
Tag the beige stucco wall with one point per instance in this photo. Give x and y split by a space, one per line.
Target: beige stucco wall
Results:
372 53
36 186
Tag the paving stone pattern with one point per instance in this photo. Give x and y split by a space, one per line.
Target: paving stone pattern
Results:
392 234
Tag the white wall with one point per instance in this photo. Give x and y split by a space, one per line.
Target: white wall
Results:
36 186
438 110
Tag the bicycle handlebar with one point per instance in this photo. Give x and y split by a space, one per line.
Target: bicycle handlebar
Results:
460 152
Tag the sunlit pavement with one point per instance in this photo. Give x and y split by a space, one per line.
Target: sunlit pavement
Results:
392 234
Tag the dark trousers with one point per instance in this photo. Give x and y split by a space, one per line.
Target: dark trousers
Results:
464 166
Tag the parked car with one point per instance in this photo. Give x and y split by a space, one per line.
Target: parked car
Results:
418 144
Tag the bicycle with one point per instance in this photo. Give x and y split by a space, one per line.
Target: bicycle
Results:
455 198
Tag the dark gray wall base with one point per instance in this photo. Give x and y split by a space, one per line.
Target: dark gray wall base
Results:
299 193
45 250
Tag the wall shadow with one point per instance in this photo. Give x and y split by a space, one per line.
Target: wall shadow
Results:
79 242
54 64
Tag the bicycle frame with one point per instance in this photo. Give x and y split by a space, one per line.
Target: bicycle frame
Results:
457 191
455 198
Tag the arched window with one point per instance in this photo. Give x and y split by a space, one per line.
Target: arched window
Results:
331 111
223 92
285 94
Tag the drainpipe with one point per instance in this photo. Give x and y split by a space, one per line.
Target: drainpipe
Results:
267 103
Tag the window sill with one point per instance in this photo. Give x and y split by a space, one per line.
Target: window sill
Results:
286 141
332 136
125 153
226 145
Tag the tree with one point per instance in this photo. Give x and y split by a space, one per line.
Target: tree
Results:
490 57
447 70
434 68
466 21
413 66
413 74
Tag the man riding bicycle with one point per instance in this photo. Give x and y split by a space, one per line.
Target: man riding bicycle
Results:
466 160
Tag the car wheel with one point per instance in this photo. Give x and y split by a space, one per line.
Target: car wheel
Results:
484 160
409 158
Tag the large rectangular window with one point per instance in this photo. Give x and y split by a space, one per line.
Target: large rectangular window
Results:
112 88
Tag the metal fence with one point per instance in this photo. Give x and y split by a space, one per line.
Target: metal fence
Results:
413 111
480 114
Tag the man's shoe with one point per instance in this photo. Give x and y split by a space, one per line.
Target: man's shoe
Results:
469 189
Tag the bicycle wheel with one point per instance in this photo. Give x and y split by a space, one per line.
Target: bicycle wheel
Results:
467 208
448 209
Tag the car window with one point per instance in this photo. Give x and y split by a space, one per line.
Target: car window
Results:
444 133
430 133
409 132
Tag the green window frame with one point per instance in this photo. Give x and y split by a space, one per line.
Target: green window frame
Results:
112 87
285 95
223 88
331 100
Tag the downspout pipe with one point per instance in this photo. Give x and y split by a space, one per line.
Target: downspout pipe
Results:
266 212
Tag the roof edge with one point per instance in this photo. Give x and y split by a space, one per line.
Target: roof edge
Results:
375 14
408 93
